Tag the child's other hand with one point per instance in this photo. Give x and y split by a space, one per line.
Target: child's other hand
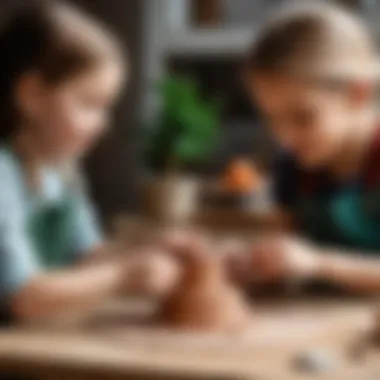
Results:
277 258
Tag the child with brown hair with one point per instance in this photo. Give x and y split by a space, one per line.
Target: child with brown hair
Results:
313 72
60 74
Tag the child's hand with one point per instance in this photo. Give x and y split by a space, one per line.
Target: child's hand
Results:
152 272
277 258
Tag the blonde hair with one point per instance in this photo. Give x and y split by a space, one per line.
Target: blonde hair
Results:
315 40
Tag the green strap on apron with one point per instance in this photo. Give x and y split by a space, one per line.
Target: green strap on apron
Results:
346 219
50 228
51 231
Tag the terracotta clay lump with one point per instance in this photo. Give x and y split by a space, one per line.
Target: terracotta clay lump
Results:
205 299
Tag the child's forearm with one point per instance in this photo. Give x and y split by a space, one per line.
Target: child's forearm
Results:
102 253
357 273
53 293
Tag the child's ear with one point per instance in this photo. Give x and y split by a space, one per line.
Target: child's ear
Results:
361 93
28 94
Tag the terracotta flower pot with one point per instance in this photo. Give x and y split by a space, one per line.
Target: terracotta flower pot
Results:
172 198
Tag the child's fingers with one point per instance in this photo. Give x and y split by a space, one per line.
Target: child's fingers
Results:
153 272
265 261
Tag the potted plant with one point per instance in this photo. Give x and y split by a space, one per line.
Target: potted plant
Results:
183 134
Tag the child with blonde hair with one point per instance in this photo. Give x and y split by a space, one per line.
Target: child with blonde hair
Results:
313 73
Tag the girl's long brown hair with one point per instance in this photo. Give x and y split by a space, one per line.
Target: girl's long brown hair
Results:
52 38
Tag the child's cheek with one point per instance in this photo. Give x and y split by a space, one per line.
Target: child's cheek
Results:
79 129
319 142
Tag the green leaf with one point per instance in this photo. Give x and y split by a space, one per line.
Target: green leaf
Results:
189 150
187 126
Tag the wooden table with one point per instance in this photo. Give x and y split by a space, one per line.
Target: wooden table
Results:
110 344
119 341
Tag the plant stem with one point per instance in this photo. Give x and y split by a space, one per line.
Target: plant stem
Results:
173 166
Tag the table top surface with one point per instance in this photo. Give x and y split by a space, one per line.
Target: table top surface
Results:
123 335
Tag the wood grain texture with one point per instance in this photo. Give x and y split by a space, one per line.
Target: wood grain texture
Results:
110 344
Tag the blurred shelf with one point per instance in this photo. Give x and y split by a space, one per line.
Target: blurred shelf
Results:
204 42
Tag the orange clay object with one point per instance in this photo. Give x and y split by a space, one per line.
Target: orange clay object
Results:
205 300
242 176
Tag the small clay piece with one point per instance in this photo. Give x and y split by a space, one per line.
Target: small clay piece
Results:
204 299
314 361
242 176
